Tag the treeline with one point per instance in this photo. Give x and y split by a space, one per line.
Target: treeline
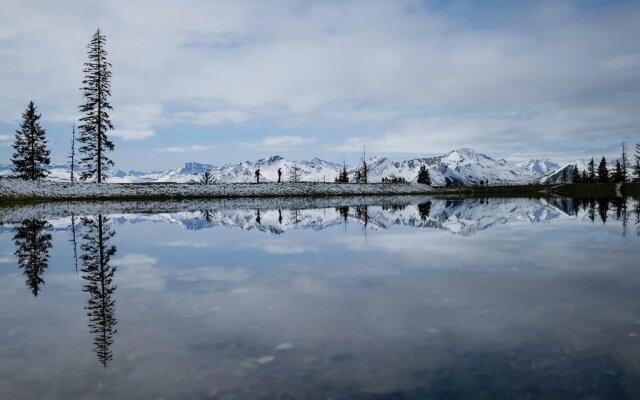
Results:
624 170
31 152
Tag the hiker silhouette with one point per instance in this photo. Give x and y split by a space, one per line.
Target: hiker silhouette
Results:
279 174
258 175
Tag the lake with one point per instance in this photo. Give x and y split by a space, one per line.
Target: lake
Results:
336 298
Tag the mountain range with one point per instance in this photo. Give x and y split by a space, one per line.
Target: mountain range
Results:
458 167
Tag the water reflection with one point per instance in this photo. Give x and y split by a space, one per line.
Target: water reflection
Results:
33 243
98 274
459 298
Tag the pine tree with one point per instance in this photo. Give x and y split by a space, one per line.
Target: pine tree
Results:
624 161
72 155
343 175
98 274
617 174
592 171
603 171
364 176
33 242
575 174
96 122
207 178
423 175
30 145
584 178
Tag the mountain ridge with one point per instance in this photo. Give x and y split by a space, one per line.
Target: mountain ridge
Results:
462 166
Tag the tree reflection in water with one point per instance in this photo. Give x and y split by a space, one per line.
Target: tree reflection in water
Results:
33 242
98 275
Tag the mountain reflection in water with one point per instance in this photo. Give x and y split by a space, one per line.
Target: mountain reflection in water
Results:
375 298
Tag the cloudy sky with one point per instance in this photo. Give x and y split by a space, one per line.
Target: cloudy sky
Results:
225 81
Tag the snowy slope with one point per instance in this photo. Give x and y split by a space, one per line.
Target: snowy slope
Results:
539 166
459 167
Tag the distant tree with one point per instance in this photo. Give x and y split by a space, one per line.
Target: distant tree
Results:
295 173
98 274
207 178
617 173
96 122
584 178
423 175
72 154
343 175
33 242
358 176
364 176
603 171
30 144
575 174
624 161
394 179
591 168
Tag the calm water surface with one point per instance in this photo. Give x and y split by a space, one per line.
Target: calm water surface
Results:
405 298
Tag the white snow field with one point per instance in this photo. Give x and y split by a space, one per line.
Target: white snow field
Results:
48 190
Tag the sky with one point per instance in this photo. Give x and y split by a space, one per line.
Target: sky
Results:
228 81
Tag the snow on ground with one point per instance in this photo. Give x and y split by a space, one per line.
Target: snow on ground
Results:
14 188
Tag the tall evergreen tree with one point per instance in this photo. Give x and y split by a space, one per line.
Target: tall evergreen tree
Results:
603 171
423 175
96 122
624 161
98 274
30 145
33 242
591 168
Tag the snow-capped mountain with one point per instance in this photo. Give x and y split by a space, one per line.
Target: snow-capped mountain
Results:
539 166
459 167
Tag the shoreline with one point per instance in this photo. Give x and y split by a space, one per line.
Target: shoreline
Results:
17 191
12 191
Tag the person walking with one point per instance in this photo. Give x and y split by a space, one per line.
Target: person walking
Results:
279 174
258 175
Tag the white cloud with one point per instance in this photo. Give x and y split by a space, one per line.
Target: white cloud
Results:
214 274
399 75
186 149
133 134
210 117
278 143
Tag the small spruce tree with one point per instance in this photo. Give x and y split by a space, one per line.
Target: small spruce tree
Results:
30 144
603 171
423 175
295 173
